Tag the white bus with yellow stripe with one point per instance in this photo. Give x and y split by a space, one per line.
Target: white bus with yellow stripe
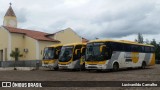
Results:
72 56
112 54
50 57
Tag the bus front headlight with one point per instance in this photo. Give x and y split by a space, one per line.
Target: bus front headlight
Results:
70 64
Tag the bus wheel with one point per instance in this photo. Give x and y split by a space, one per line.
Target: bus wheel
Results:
115 67
51 68
82 67
56 68
143 65
99 70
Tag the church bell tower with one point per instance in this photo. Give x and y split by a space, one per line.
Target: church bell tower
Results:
10 19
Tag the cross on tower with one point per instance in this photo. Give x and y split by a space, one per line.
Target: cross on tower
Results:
10 3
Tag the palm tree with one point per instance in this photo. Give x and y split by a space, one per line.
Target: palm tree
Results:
15 54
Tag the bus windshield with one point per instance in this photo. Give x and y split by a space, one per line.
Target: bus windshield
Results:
93 52
49 53
66 53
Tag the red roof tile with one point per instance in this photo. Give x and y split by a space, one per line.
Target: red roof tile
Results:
31 33
84 40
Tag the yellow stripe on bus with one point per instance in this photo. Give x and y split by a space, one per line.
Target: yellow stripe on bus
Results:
65 63
96 62
48 61
152 60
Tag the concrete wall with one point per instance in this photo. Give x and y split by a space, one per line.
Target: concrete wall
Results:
4 42
17 41
67 36
29 44
10 21
35 48
22 42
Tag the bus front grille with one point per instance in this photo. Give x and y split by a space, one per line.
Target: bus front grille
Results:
92 67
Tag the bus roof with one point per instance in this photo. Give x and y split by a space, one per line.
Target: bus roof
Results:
73 44
56 45
121 41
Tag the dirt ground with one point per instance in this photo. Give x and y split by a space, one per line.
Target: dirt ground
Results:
149 74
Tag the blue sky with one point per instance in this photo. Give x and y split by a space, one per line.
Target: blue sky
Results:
114 19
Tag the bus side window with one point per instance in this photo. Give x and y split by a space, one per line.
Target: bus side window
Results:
152 49
142 49
109 53
114 46
147 49
120 47
135 48
139 49
127 47
132 48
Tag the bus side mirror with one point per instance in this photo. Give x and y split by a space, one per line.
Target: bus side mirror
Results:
82 49
76 51
102 48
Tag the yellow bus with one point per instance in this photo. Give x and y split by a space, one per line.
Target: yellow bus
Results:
116 54
72 56
50 57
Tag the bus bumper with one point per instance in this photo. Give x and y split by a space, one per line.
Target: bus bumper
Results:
66 66
72 65
95 67
44 65
51 65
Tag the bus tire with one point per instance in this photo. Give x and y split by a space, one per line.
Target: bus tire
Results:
51 68
143 65
56 68
115 66
83 67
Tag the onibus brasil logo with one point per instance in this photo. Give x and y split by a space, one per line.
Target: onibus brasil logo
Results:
21 84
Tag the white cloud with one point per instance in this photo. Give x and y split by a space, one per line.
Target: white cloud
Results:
75 3
117 19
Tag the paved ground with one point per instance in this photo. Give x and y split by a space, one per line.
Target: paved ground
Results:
149 74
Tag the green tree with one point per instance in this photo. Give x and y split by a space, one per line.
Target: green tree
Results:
139 38
15 54
157 48
147 41
153 42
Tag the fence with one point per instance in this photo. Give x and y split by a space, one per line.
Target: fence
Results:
26 63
